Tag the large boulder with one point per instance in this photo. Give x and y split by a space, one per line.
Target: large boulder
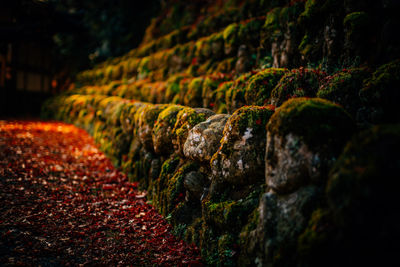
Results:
304 137
240 158
186 119
204 139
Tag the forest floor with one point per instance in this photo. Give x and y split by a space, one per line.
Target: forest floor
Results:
63 203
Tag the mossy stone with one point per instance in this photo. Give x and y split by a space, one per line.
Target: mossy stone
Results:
234 95
297 83
204 138
147 118
260 85
331 125
186 119
240 158
298 153
343 88
193 97
162 130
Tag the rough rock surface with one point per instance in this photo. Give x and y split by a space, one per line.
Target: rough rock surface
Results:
240 158
186 119
204 139
298 153
281 218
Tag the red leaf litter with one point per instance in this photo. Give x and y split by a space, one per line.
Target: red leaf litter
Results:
63 203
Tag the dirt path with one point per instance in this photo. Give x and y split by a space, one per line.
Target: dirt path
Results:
63 203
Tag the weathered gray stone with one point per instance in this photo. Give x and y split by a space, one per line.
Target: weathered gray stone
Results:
298 153
204 139
290 163
186 119
240 158
281 219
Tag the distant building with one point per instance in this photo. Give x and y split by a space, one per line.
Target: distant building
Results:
25 54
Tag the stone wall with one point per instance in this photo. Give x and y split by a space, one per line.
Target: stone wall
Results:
266 132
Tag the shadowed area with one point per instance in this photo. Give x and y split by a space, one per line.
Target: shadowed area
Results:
63 203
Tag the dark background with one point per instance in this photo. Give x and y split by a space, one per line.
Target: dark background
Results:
43 43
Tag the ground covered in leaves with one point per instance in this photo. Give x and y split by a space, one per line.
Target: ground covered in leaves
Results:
63 203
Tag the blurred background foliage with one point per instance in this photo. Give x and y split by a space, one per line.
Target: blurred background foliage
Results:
93 30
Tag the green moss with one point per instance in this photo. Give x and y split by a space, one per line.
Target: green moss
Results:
143 69
356 21
203 49
231 40
159 194
297 83
234 96
217 45
254 117
317 234
343 88
193 232
162 130
310 9
230 34
316 121
168 115
227 249
231 215
175 191
193 95
173 87
127 117
226 65
381 91
249 32
210 85
218 96
251 223
272 20
306 46
260 85
183 88
146 120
